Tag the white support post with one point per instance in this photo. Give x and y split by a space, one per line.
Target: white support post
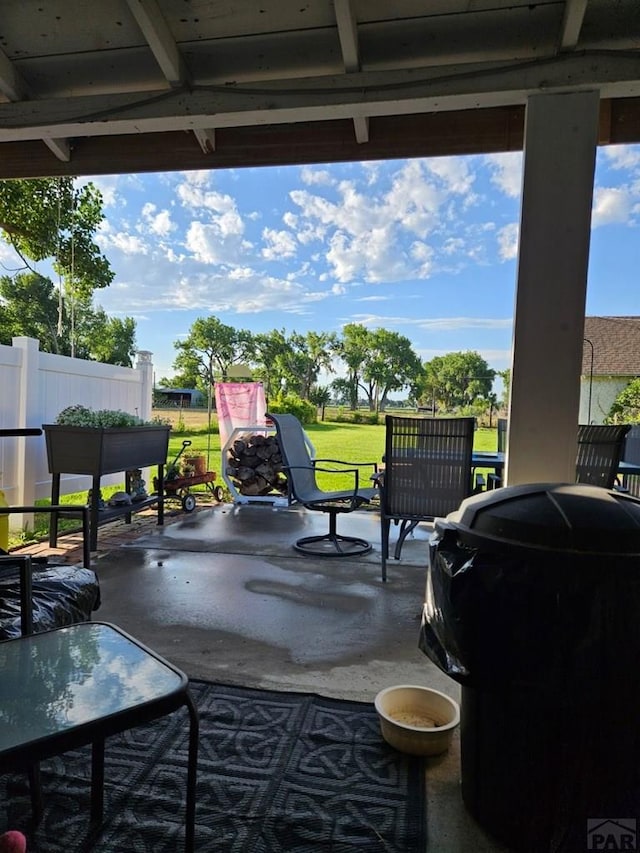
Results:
145 365
561 134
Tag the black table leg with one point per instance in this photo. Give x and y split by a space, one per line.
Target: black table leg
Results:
35 791
97 781
55 500
95 514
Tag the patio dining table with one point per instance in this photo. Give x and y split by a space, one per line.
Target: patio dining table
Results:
495 460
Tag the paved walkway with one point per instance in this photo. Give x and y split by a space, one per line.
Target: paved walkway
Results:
112 535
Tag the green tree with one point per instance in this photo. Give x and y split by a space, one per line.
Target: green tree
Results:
113 339
51 218
269 356
455 380
342 391
626 406
353 350
210 349
391 364
320 396
318 349
505 375
30 307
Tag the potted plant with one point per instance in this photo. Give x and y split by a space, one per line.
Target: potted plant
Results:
106 441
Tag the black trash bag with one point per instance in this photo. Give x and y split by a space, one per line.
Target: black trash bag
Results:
61 595
500 617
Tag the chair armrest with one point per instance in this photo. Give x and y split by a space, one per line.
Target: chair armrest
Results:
373 465
73 509
314 467
350 494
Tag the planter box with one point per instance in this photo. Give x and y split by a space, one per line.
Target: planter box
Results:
98 451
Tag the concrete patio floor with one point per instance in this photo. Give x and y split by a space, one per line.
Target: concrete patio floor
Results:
223 595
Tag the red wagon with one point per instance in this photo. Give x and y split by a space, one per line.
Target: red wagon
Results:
179 488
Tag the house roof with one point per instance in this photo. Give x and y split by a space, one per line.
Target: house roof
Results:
616 346
154 85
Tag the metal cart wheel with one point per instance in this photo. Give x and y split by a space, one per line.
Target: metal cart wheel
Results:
218 494
188 503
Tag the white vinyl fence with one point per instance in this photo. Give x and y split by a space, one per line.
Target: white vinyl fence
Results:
34 387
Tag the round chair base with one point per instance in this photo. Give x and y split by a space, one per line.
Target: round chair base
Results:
332 546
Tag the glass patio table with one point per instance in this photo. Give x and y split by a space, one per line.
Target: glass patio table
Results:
72 686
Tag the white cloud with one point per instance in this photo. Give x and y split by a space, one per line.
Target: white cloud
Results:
622 156
506 172
610 205
453 172
507 238
368 234
128 244
210 244
453 246
197 178
194 197
435 324
279 244
311 176
108 186
158 223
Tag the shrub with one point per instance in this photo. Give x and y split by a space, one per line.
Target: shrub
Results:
626 407
291 404
346 416
84 417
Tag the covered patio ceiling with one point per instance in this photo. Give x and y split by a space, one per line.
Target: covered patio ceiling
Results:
124 86
153 85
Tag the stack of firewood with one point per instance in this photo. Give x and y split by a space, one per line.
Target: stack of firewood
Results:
254 464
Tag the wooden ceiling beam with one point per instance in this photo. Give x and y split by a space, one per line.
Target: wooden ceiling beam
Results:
160 40
348 36
14 88
427 135
156 31
318 99
572 23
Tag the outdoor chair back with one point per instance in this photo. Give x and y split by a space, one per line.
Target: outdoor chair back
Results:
600 449
427 473
494 479
502 434
631 453
303 487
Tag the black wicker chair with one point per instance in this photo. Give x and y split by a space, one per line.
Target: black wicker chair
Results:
301 472
427 473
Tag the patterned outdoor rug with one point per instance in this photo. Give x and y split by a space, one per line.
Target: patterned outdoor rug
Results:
276 772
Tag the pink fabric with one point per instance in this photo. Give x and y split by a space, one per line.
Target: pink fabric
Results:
13 842
239 404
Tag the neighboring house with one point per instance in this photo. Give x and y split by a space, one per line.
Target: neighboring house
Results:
181 397
610 360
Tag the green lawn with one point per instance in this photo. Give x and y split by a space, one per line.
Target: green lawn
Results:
349 442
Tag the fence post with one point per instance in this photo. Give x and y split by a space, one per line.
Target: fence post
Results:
27 415
145 366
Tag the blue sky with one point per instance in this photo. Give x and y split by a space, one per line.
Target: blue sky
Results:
426 248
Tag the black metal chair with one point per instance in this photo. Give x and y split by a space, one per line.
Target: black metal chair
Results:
302 485
631 453
600 449
494 480
427 473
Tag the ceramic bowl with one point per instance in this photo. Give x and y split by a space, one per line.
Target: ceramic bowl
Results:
417 720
